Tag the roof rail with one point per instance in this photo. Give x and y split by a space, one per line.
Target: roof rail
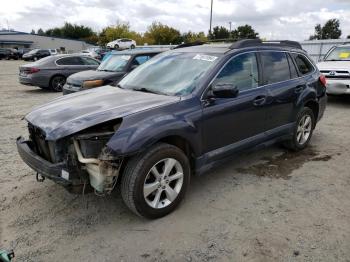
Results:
189 44
254 42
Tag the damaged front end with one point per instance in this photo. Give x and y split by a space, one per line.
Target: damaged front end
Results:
78 162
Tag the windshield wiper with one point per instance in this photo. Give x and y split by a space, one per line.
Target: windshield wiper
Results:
146 90
105 70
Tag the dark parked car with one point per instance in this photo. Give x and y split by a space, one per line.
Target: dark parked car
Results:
182 112
9 53
4 53
51 72
110 71
23 51
36 54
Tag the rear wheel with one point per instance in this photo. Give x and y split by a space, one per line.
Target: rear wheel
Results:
57 83
303 130
155 182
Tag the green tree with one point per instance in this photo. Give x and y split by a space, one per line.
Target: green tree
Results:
190 37
40 32
160 34
33 32
330 30
120 30
244 32
219 32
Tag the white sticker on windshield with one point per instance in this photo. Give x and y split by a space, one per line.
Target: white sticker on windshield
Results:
125 57
208 58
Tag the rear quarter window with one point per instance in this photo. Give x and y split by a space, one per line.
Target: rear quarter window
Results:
303 64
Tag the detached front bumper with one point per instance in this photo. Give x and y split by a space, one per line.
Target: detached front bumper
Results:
40 165
69 89
338 86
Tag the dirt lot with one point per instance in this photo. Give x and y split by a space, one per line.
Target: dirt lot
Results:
270 205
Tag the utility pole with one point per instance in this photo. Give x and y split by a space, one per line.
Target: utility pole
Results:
230 23
211 16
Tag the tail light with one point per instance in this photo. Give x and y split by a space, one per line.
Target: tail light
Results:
33 70
323 80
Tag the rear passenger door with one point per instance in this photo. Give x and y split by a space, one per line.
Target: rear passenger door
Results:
283 87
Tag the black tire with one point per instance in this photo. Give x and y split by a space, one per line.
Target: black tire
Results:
116 46
138 169
132 46
57 83
295 144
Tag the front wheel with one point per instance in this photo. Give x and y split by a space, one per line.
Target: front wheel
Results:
116 47
154 183
302 131
132 46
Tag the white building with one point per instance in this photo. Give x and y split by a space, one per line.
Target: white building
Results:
14 39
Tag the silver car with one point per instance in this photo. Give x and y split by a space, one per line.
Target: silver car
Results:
51 72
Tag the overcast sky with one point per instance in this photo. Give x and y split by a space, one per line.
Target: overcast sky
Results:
273 19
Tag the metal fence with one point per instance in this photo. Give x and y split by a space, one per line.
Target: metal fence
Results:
317 49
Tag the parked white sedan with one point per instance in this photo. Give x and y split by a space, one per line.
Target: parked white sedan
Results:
123 43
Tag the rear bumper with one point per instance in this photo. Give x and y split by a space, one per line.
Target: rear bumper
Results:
40 165
338 86
25 80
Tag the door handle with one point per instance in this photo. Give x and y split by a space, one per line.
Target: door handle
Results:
299 89
259 101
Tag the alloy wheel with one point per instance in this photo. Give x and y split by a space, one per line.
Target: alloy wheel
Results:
304 129
58 83
163 183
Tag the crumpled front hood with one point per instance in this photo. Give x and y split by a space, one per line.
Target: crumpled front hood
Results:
333 65
79 78
72 113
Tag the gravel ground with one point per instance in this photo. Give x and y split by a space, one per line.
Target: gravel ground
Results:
270 205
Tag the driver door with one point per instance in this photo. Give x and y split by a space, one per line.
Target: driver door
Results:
232 123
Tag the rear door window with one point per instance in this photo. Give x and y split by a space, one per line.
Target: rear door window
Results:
72 60
275 67
303 64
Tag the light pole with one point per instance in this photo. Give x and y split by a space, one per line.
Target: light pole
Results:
230 23
211 16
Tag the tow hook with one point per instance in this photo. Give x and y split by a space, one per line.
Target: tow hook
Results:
40 178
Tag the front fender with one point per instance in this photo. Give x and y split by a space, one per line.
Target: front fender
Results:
139 131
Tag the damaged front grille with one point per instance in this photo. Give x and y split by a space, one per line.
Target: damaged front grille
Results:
41 145
52 151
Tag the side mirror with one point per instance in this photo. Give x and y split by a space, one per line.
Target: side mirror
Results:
224 90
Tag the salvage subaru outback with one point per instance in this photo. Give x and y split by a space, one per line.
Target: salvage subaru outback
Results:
182 112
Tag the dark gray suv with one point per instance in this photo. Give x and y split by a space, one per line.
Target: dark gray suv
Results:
183 112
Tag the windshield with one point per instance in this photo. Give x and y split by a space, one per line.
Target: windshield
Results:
114 63
339 54
33 51
170 73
